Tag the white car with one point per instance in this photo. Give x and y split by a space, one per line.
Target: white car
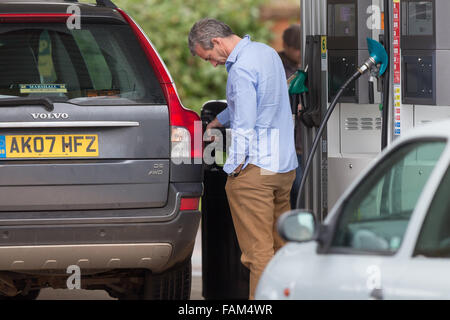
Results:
387 237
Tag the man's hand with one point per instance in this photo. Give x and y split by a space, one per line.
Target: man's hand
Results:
213 124
239 168
236 171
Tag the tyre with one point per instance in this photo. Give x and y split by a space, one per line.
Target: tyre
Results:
174 284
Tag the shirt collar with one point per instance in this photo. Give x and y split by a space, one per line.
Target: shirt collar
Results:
234 54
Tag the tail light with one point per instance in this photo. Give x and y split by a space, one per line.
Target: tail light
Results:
181 143
185 144
189 204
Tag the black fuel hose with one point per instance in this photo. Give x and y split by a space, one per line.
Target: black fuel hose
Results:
324 122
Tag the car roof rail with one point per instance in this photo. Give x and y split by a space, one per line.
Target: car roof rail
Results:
102 3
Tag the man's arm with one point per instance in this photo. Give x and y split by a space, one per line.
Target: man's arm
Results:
213 124
224 117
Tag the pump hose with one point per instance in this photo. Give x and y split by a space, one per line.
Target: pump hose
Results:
355 76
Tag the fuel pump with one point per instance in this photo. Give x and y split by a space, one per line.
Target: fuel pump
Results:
378 56
370 114
355 128
353 135
347 31
422 71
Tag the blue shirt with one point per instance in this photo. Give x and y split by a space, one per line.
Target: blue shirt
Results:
258 112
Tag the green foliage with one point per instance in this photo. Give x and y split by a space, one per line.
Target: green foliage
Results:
167 24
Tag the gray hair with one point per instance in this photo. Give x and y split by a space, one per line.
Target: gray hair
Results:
203 31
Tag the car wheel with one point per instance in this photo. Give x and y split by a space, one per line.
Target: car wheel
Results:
174 284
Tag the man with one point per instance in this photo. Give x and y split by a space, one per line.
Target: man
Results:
261 159
290 56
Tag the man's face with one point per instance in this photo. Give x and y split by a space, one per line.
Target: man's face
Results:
216 56
293 54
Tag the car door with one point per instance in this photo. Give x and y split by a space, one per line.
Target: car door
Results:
359 260
425 266
104 142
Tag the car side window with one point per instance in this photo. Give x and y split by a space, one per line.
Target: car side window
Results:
434 238
375 216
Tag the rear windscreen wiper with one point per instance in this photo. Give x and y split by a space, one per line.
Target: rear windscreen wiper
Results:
47 102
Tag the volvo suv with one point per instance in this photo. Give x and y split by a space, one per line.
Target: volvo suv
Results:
100 176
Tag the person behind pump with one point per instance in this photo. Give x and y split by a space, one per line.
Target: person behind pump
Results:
290 56
261 158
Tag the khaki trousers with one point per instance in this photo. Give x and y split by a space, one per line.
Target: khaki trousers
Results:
257 198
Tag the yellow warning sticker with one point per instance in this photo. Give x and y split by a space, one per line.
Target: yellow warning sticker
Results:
323 46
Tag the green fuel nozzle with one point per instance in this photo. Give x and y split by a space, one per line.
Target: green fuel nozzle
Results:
297 85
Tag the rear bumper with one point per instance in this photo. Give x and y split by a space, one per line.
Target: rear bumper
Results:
154 239
141 215
152 256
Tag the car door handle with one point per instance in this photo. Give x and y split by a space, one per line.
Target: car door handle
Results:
376 294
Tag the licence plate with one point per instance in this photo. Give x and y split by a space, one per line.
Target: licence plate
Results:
48 146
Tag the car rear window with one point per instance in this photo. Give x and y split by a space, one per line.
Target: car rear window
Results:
97 64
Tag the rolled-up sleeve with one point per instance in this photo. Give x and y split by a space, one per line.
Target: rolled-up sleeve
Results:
244 99
224 117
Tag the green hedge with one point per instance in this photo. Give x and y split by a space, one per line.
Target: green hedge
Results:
167 24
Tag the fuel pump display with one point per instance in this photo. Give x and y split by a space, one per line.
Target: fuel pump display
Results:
418 43
425 62
355 129
347 48
425 52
